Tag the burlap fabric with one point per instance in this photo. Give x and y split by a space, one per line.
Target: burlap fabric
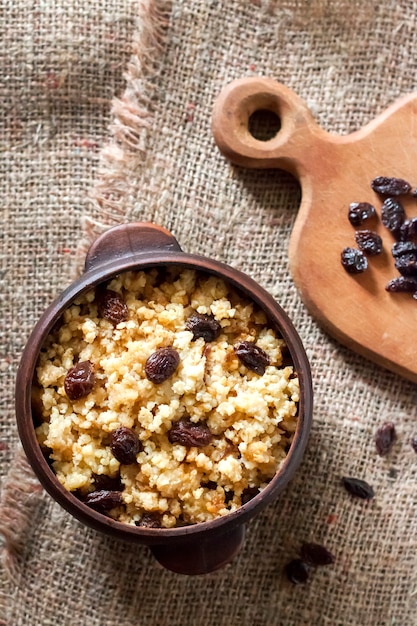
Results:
62 64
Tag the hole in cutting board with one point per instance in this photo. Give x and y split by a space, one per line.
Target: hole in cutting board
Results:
264 125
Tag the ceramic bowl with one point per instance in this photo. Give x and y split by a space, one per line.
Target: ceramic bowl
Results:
193 549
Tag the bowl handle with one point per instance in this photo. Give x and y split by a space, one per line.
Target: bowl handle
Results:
201 555
127 240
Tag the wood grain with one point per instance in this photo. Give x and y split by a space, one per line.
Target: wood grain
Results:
334 171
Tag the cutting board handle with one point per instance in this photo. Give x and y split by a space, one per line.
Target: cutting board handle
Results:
288 149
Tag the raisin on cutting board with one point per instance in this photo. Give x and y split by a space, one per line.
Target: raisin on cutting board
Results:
359 212
369 242
402 284
403 247
406 264
353 260
408 229
392 215
389 186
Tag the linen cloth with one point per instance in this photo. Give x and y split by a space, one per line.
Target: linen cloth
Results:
106 111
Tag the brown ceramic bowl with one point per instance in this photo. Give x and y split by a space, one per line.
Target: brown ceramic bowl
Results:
198 548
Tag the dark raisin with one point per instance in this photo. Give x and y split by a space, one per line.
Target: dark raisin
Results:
111 306
392 215
406 264
79 380
369 242
408 229
387 186
385 438
248 494
252 356
189 434
107 483
181 522
205 326
316 554
103 500
150 520
404 247
354 261
125 445
414 443
359 212
161 365
402 284
357 487
209 484
297 571
228 496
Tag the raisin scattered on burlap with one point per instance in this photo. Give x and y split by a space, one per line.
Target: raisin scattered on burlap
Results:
190 434
358 488
79 380
205 326
111 306
297 571
103 500
125 445
369 242
353 260
414 443
161 365
392 215
316 554
359 212
385 438
252 356
389 186
402 284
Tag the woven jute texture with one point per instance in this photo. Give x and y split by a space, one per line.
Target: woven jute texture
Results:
105 118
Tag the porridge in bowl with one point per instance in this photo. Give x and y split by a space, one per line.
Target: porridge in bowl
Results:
165 398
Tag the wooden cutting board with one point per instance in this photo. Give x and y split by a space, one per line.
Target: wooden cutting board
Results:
333 172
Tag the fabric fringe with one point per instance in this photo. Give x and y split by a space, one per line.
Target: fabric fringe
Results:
132 114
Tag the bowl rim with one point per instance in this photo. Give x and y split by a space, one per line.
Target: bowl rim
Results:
143 261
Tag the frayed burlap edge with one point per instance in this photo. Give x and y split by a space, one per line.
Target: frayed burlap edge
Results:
132 114
114 191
